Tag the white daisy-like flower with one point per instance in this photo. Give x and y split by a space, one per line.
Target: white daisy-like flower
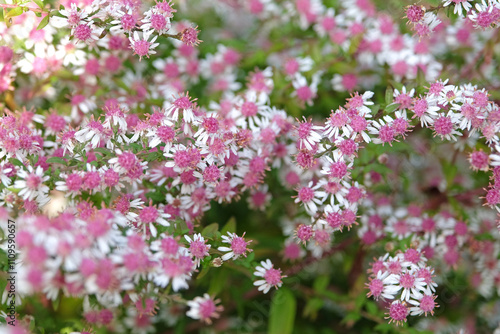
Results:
204 308
237 246
141 45
93 132
31 186
311 197
156 22
71 53
271 277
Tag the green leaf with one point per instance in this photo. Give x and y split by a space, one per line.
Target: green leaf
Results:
321 283
230 226
102 150
210 230
56 160
39 3
389 95
43 23
421 82
152 156
16 162
391 107
282 313
14 12
312 307
351 318
371 307
203 272
355 42
219 282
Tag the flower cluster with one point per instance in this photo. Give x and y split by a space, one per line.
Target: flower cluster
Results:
406 279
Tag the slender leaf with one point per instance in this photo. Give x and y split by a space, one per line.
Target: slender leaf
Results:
43 23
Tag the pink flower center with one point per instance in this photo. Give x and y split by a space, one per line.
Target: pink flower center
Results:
33 181
198 249
82 32
305 93
414 13
273 276
249 109
207 309
127 160
443 126
149 214
304 232
376 287
407 281
239 246
211 174
141 48
158 22
306 194
211 124
398 312
183 103
427 303
338 169
128 22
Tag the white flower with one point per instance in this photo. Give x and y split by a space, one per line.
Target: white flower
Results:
142 46
32 187
237 248
272 277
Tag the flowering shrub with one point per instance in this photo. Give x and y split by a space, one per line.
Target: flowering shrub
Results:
310 166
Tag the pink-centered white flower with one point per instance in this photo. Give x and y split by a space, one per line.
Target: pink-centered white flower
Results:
198 247
31 185
271 276
237 246
204 308
142 45
308 134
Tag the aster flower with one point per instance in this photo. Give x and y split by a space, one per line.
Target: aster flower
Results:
204 308
197 247
237 246
141 45
271 277
156 21
31 185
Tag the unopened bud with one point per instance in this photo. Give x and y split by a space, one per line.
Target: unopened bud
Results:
383 158
217 262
